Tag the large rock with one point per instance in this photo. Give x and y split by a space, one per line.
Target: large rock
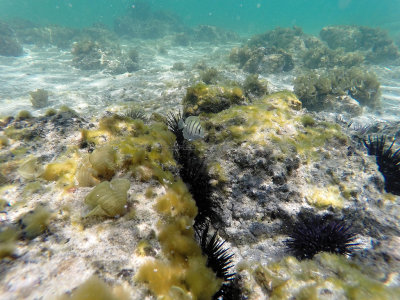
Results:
9 45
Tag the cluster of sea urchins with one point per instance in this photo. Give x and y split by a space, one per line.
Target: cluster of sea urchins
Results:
193 172
388 162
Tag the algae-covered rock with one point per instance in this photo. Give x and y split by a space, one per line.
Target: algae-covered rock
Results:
326 274
255 87
323 57
108 198
39 98
211 99
375 42
90 54
283 38
322 91
263 60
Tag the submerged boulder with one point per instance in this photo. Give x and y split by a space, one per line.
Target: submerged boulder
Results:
9 45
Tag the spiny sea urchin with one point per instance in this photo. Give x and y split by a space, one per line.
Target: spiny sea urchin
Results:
218 257
388 162
194 173
173 125
318 234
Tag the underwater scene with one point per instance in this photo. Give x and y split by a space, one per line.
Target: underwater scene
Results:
198 150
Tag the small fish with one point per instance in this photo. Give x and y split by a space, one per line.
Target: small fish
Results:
191 128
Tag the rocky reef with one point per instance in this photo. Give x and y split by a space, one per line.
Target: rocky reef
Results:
246 190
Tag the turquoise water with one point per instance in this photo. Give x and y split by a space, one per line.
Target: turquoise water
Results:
243 16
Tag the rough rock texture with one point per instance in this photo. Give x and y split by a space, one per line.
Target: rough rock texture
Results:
263 184
91 55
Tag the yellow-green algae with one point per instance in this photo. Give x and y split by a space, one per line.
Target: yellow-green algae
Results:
63 170
32 188
324 197
96 289
36 222
185 268
327 276
4 142
8 238
211 99
108 198
273 120
30 169
143 150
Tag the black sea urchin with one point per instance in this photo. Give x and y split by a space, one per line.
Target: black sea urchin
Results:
193 171
317 234
388 162
218 257
173 125
219 260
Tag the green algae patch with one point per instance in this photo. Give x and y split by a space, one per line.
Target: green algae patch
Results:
325 197
31 169
272 114
183 275
202 98
275 121
325 274
36 222
19 134
8 238
4 142
32 188
62 171
108 198
123 144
